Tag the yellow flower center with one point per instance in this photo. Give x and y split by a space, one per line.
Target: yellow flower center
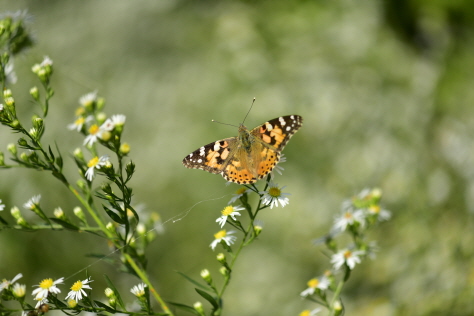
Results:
274 192
46 283
347 254
221 234
348 215
93 162
76 286
93 129
374 209
227 210
313 283
79 121
305 313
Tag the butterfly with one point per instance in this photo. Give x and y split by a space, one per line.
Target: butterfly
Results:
251 155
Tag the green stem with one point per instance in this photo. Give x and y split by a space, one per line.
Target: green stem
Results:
144 278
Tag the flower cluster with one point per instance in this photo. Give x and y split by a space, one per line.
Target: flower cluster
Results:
358 215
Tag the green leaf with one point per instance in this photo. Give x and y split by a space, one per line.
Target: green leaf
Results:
65 224
194 281
208 297
111 285
106 307
114 216
187 308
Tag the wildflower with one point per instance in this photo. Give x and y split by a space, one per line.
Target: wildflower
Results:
88 99
95 163
41 302
79 123
274 195
348 257
2 206
45 287
349 218
95 132
77 289
225 236
46 62
382 214
307 312
33 202
240 192
321 283
5 283
19 290
118 119
138 290
10 75
108 125
231 211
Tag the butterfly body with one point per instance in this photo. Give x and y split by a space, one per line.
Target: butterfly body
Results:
251 155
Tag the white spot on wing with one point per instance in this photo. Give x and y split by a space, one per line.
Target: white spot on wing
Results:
268 126
282 121
216 146
202 151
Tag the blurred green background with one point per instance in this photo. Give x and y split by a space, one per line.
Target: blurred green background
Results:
386 92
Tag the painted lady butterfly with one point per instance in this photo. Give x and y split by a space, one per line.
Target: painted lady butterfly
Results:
246 158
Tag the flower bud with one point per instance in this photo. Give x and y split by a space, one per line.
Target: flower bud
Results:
206 276
59 213
124 148
34 92
12 149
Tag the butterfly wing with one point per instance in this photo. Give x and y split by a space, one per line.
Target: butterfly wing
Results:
212 157
269 140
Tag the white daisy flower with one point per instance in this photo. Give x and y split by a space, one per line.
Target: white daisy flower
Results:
273 196
349 218
108 125
41 301
10 74
88 99
33 202
19 290
95 163
225 236
95 132
321 283
118 119
138 290
231 211
46 62
77 289
45 287
382 214
348 257
237 195
5 283
79 123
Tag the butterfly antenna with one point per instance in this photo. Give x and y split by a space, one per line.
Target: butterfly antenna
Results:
251 105
214 121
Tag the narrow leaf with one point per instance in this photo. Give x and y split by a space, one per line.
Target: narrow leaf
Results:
208 297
